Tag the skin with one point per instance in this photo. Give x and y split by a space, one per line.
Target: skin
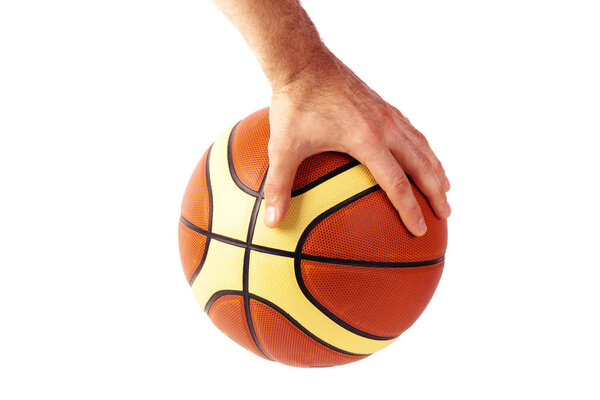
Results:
319 104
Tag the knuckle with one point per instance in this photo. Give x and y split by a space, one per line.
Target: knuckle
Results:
370 136
421 139
400 115
376 130
441 196
378 111
400 184
371 148
423 162
388 123
415 210
439 167
412 209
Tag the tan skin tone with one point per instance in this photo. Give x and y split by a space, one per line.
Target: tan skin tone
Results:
319 105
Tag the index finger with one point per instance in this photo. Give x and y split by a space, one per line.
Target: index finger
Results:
392 179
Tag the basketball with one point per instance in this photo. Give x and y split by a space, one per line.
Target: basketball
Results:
338 280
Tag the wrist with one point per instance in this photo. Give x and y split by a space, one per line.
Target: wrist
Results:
314 66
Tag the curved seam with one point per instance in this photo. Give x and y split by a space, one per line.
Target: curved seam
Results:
232 172
210 211
331 174
218 294
246 268
297 255
301 256
329 313
371 264
298 269
284 314
310 257
294 193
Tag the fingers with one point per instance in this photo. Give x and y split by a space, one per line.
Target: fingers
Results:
283 164
435 162
419 140
418 165
392 179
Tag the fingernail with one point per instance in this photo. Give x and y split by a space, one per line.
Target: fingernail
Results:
422 226
270 215
446 182
448 210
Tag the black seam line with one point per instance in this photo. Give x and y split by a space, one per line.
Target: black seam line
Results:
298 266
236 242
294 193
246 267
210 210
375 264
325 177
299 257
309 257
232 172
219 294
287 316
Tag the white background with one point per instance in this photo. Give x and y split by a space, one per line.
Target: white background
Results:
106 106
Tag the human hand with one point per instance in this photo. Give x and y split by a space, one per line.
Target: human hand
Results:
326 107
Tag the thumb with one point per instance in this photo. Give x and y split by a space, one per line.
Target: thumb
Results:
278 185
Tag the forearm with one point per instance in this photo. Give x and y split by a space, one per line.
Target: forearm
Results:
320 105
281 35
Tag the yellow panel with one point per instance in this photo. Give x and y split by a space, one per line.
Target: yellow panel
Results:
305 207
273 278
222 270
232 208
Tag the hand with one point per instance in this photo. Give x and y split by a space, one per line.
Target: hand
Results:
326 107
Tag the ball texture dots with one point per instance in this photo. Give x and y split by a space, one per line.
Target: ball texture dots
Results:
340 279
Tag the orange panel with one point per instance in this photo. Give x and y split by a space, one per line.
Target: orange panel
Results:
284 342
250 158
227 313
318 165
191 249
196 203
249 148
370 229
379 301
